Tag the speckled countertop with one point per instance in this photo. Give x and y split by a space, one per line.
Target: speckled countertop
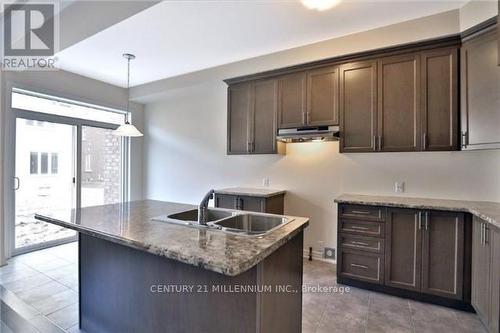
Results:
250 192
488 211
130 224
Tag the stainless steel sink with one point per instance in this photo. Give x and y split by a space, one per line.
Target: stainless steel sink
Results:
192 215
248 224
251 224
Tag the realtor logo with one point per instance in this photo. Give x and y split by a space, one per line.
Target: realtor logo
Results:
29 32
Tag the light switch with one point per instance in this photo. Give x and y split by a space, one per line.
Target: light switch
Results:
399 187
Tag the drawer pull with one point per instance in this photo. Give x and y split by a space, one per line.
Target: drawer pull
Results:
359 243
359 228
360 212
359 266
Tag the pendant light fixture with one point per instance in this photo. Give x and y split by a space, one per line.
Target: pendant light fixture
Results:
128 129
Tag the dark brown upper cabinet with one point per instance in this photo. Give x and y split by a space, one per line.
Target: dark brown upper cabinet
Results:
252 117
480 87
322 97
399 103
238 118
439 104
358 106
292 100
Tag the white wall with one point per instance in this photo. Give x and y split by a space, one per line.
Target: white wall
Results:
185 143
476 11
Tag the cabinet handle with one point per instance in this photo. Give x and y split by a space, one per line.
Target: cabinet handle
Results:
359 243
380 142
308 114
17 181
482 237
464 139
419 220
364 212
304 121
426 220
375 142
424 141
486 232
358 228
359 266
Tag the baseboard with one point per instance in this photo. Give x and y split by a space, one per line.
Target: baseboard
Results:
318 255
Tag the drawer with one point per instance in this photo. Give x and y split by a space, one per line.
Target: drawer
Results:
354 242
371 213
363 228
363 266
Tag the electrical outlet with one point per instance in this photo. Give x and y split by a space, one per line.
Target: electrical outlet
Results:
329 253
321 246
265 181
399 187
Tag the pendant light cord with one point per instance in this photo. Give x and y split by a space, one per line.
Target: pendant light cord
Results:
128 90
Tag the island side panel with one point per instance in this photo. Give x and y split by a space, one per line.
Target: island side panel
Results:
115 295
281 310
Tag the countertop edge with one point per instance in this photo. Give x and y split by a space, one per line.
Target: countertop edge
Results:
249 194
149 248
472 210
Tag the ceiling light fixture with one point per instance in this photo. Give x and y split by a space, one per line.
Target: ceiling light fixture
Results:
320 5
128 129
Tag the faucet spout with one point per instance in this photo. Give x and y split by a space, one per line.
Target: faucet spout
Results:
203 207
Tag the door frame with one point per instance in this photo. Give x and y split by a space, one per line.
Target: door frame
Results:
12 114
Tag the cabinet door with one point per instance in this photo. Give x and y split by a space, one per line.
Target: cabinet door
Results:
238 118
264 113
443 254
493 237
399 103
480 294
403 249
292 101
480 85
252 204
358 106
225 201
439 100
322 97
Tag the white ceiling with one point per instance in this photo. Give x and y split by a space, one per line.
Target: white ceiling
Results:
177 37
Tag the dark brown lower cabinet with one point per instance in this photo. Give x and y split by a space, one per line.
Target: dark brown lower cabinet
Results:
443 253
407 252
486 273
271 205
403 249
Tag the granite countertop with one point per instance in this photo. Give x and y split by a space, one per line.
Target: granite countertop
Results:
251 192
488 211
130 224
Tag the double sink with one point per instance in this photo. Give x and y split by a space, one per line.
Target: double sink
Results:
237 222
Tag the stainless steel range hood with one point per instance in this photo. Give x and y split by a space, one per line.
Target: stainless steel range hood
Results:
309 133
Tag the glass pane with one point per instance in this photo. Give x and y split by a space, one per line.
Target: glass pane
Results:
54 163
43 192
45 105
101 167
44 163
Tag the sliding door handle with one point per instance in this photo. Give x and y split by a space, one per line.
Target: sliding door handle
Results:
17 183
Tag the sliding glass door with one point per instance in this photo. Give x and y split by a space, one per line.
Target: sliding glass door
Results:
66 156
44 181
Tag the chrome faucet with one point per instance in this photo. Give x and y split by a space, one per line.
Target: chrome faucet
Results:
203 207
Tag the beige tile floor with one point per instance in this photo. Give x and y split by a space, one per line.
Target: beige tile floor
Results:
40 290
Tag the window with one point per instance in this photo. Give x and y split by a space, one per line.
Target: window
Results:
88 163
44 163
54 163
33 163
31 101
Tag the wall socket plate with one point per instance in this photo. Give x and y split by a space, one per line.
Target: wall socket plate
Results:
399 187
265 181
329 253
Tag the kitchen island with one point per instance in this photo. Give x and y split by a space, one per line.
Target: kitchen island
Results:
137 274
